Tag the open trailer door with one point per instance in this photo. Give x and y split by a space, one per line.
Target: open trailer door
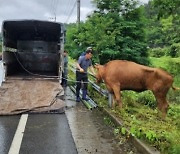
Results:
32 56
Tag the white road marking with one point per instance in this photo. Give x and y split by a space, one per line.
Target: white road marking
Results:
16 143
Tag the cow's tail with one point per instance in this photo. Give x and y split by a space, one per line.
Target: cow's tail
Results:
175 88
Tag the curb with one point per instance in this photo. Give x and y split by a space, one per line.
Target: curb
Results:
141 146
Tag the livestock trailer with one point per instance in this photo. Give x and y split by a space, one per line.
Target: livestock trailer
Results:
32 48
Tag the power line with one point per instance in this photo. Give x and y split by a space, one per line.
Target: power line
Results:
68 4
53 8
71 11
56 6
68 7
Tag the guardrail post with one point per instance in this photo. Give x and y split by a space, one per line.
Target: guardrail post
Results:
4 71
1 73
110 99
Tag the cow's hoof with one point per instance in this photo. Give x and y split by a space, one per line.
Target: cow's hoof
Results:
120 106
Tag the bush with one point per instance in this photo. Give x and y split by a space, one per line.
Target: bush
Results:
175 50
158 52
147 98
126 54
75 53
107 55
174 67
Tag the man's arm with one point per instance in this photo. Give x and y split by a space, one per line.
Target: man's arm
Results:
79 67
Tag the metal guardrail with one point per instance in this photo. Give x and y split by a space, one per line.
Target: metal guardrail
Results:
89 104
99 89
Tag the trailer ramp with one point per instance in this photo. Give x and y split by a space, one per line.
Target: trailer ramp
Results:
19 95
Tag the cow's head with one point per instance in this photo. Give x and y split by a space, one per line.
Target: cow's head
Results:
99 74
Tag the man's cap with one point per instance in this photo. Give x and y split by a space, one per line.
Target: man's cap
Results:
89 48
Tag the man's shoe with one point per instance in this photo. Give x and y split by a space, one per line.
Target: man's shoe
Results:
84 95
64 85
86 99
78 99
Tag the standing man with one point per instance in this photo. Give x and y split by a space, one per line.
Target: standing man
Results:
84 62
65 71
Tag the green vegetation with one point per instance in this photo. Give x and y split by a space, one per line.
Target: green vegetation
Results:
148 34
145 123
163 27
172 65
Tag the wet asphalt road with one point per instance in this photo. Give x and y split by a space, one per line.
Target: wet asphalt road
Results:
48 134
78 130
8 125
44 134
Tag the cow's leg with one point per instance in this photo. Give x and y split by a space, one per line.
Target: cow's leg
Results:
113 101
111 92
162 102
160 90
116 90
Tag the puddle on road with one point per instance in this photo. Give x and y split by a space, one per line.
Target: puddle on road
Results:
90 133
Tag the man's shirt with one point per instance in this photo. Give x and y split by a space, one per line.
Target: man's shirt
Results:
84 63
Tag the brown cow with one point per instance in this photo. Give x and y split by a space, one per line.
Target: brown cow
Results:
125 75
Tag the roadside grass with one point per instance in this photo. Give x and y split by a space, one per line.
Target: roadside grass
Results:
145 122
172 65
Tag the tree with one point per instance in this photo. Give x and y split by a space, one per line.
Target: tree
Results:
115 30
167 7
163 24
127 28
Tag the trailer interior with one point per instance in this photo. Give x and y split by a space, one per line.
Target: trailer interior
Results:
32 48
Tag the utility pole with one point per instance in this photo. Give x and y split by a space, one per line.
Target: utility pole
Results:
78 12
